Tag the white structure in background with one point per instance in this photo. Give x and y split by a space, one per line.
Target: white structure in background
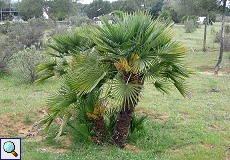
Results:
97 20
110 21
45 15
201 20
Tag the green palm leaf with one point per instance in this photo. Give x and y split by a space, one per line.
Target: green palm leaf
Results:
87 75
123 92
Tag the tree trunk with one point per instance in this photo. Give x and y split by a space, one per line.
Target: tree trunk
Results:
205 32
121 129
217 68
99 128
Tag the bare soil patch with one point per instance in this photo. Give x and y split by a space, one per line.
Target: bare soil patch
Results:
215 127
162 118
133 148
211 73
206 144
13 124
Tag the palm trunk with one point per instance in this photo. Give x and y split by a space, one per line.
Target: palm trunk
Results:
99 128
217 68
121 129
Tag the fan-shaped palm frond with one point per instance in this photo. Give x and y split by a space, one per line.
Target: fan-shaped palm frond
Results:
72 43
87 75
65 48
159 56
123 92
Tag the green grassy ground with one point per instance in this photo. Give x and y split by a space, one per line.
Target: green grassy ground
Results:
196 127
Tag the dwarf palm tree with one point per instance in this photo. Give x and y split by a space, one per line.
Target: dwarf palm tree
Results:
115 60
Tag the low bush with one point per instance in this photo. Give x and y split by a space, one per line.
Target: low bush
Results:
7 49
189 26
190 23
29 33
4 27
78 20
213 30
165 16
217 38
25 62
227 29
20 36
60 29
188 18
226 41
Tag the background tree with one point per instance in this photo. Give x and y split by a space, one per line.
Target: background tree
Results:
56 9
60 9
172 6
139 2
155 7
165 16
30 8
187 7
98 8
117 5
223 11
206 7
3 4
181 8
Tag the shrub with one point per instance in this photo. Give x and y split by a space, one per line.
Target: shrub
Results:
190 23
4 27
226 41
29 33
227 29
78 20
165 16
217 37
7 49
25 62
189 26
60 29
187 18
19 36
213 31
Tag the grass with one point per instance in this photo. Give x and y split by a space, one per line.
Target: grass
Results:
196 127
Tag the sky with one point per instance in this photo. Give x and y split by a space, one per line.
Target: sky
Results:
81 1
89 1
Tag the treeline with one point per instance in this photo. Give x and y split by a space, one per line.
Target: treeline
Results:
62 9
175 10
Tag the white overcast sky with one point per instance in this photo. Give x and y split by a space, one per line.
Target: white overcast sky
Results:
89 1
81 1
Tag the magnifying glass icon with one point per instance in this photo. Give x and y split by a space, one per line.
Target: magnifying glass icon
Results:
9 147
